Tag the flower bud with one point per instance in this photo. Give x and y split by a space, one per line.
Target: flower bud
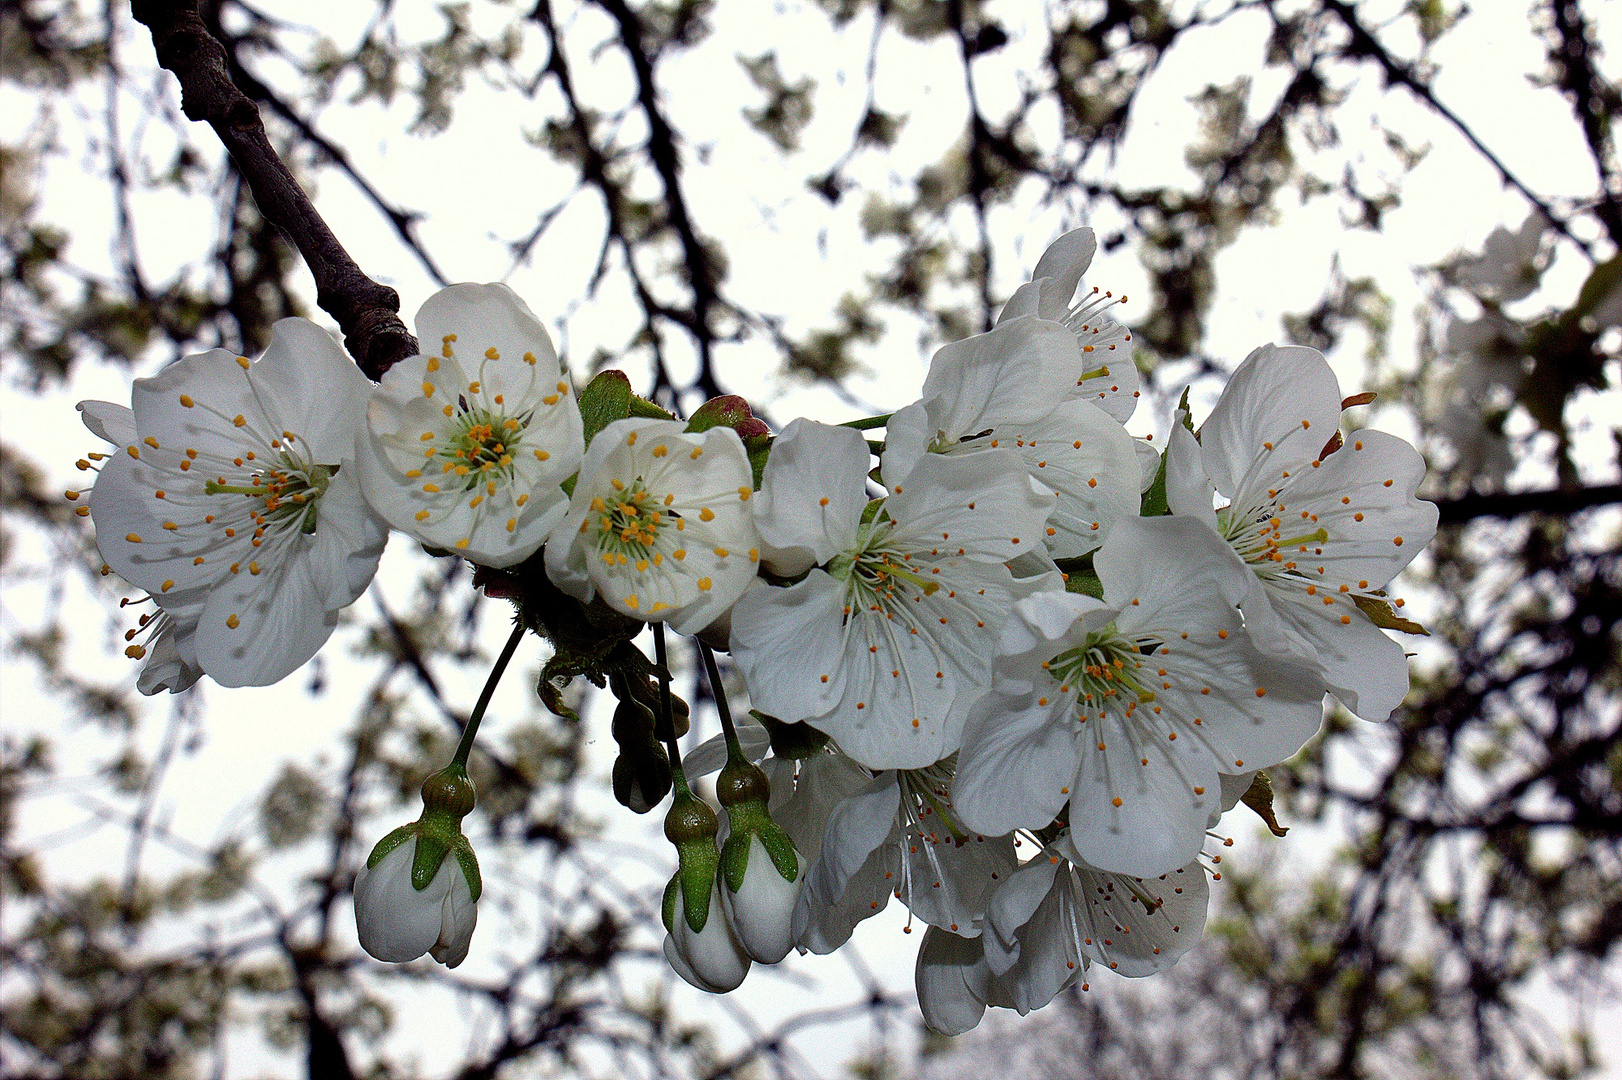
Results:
711 959
399 922
761 910
420 886
759 865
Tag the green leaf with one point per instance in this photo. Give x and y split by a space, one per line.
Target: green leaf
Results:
605 399
1259 797
1084 582
1380 613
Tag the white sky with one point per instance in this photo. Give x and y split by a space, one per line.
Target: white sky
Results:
481 185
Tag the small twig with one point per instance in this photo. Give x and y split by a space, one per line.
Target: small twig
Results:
367 312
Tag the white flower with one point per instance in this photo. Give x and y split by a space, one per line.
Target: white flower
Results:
1318 530
1109 378
1007 390
761 912
897 836
711 959
233 501
467 445
884 648
1056 915
399 922
1128 708
659 524
1510 264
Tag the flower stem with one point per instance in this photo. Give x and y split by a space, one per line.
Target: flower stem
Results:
666 722
465 747
734 750
868 423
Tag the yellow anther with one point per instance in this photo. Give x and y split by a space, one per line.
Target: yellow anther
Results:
461 545
232 621
704 584
239 420
242 362
185 399
492 354
422 515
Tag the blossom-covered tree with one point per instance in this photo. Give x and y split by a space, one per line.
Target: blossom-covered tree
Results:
985 646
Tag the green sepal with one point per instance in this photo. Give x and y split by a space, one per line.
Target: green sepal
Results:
760 451
779 848
1381 614
605 399
796 741
1154 502
644 409
393 840
469 865
1259 797
691 825
871 510
431 852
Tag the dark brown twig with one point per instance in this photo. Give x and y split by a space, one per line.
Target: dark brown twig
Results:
367 312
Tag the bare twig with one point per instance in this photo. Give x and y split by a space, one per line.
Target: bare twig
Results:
367 312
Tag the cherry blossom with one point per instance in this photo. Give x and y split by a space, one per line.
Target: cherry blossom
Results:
1321 525
467 444
233 500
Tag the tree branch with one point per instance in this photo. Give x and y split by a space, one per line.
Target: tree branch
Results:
367 312
1365 44
1514 504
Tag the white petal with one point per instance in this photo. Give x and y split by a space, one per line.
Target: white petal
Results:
951 979
811 495
982 505
1159 823
114 423
1119 931
397 922
713 954
1284 396
762 910
788 645
856 828
906 440
1090 463
1188 487
1363 667
1017 764
458 916
1010 376
1060 269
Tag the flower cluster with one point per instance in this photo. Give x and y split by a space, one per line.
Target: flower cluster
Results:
1013 676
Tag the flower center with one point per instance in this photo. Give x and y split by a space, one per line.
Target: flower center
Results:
1103 671
876 576
479 445
288 491
629 521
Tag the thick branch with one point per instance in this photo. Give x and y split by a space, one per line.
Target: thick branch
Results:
367 312
1467 507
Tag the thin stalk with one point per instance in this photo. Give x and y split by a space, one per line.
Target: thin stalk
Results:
868 423
469 733
666 719
734 750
